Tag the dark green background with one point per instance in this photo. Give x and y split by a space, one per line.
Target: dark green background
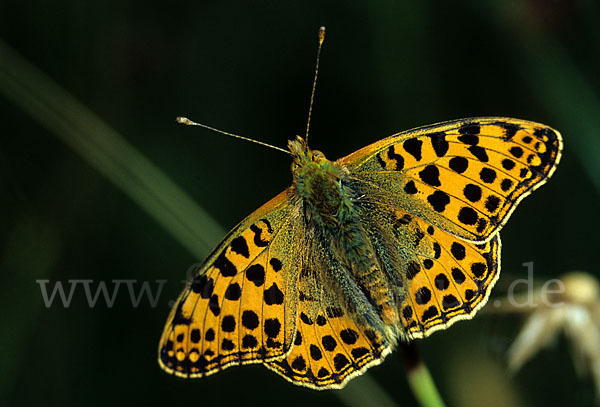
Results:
246 67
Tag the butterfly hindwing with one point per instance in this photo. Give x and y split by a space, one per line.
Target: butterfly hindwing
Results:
464 176
330 347
447 279
439 278
240 306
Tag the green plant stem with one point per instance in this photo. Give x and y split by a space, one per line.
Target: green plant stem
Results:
419 378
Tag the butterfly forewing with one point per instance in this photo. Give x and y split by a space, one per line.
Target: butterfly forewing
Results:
465 177
240 306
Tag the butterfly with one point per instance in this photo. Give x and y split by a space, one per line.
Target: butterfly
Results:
391 243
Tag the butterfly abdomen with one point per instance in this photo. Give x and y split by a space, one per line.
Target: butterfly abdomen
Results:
359 254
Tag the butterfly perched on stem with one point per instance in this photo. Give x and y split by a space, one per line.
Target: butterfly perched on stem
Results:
390 243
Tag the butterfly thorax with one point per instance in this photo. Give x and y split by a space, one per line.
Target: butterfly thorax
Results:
317 181
329 205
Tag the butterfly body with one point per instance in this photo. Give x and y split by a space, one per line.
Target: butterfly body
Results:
332 211
393 242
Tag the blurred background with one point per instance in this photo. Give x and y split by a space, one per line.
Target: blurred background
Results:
98 182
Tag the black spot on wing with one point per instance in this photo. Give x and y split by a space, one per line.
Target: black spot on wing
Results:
437 250
422 295
228 323
479 153
412 270
178 318
299 364
469 139
430 175
323 373
380 161
516 151
450 301
359 352
458 251
208 336
487 175
458 164
250 319
276 264
467 215
258 241
419 235
298 339
272 327
439 143
407 312
478 269
458 276
349 336
239 246
329 344
404 220
508 164
481 224
429 313
396 157
256 274
213 305
506 184
469 129
273 295
340 361
249 341
233 292
472 192
491 204
225 266
334 312
438 200
441 282
306 319
226 344
202 285
410 188
510 129
413 147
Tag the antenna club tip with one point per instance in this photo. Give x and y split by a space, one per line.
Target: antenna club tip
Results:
321 34
182 120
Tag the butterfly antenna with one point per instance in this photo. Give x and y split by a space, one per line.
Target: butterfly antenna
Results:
188 122
312 94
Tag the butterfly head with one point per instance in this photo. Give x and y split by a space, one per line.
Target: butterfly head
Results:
317 180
